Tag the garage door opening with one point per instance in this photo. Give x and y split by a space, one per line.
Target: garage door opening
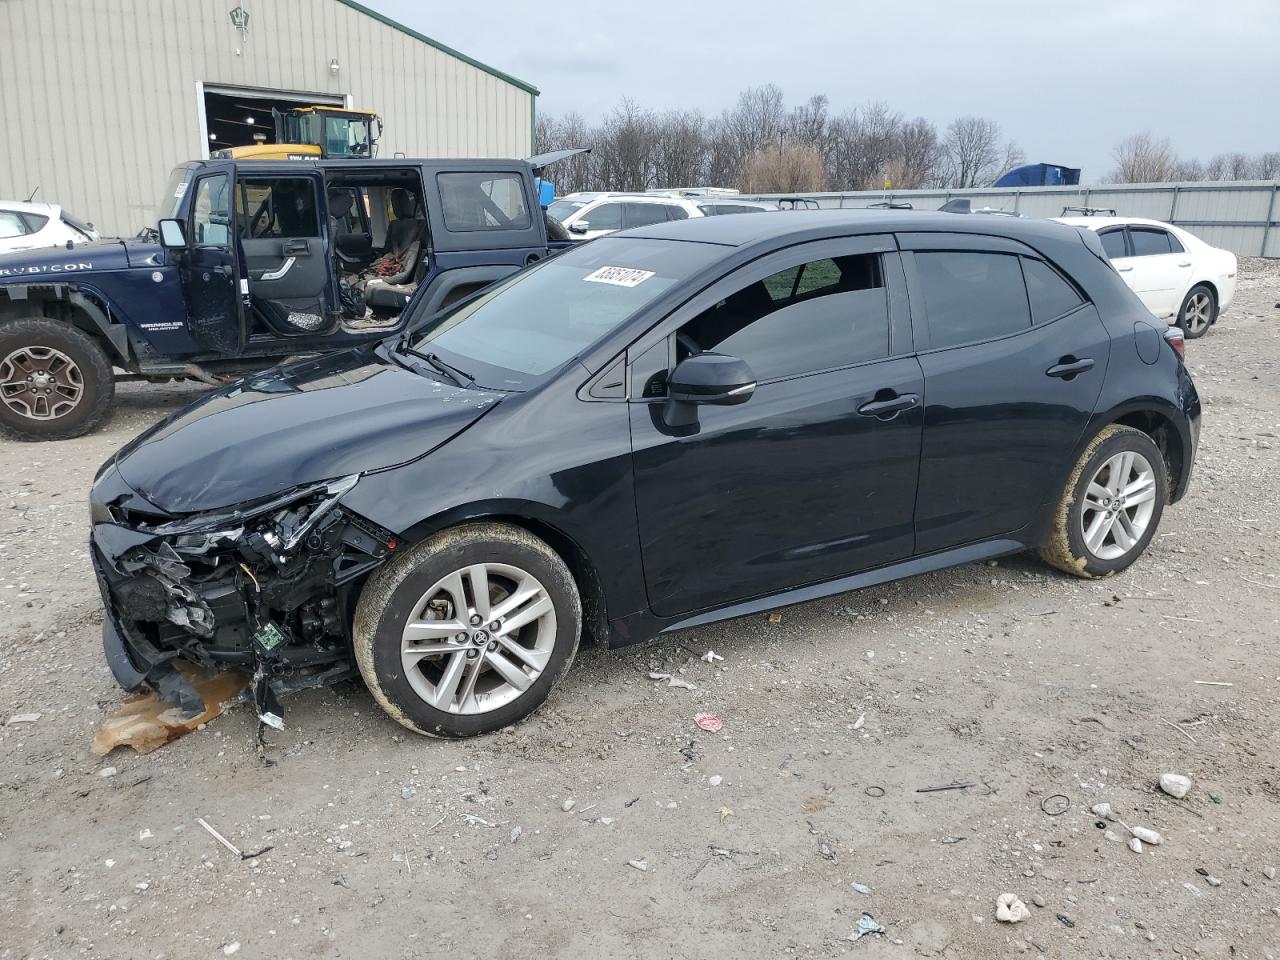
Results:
239 118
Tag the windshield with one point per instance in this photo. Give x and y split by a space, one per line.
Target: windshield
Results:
171 199
561 209
524 327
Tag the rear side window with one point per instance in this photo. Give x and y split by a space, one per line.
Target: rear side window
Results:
972 296
607 216
1050 295
483 201
277 207
1113 244
1175 245
1148 242
11 225
676 213
722 209
782 332
35 222
643 214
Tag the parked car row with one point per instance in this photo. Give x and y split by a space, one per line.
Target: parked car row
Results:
590 215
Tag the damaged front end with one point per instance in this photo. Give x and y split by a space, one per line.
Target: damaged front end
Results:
268 588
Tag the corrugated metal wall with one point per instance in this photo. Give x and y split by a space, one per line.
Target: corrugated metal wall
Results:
1240 216
98 98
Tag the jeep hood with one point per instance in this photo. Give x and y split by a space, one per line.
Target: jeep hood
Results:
58 261
317 420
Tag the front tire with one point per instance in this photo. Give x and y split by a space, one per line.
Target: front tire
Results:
55 380
469 631
1198 312
1111 506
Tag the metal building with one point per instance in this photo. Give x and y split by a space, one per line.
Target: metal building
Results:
102 98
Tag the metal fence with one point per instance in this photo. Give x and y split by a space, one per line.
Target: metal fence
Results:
1242 216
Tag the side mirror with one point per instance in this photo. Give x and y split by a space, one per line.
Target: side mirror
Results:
711 378
580 227
173 235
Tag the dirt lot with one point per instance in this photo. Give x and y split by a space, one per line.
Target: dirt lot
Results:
682 843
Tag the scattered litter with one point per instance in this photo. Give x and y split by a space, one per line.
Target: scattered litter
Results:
708 722
407 792
874 792
1212 881
1056 804
775 618
23 718
228 844
1213 683
866 924
107 772
949 840
474 821
1103 810
861 888
147 723
957 785
1193 888
681 683
1009 909
857 724
815 804
1145 835
568 805
230 948
641 865
726 813
1178 728
1135 844
515 833
1065 920
711 657
716 780
1175 785
145 835
825 851
1215 798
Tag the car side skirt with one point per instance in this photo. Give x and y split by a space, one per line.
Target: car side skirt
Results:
642 626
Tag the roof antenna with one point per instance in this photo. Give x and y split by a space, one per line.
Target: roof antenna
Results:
33 194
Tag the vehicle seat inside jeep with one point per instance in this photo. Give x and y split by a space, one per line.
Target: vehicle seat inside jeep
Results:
391 279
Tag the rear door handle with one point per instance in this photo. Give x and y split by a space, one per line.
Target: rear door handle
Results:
1124 269
889 408
1185 263
1068 367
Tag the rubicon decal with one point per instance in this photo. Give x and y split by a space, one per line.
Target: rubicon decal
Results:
44 268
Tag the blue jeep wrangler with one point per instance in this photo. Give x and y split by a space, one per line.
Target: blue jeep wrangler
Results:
251 263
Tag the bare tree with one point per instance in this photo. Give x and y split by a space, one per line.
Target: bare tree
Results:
758 119
623 156
790 168
807 123
918 157
972 151
1266 166
680 149
1141 158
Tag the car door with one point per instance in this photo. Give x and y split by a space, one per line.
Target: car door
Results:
1162 269
1013 357
814 476
1115 243
279 220
209 267
598 221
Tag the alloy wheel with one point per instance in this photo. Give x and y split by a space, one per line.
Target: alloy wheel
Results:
1118 505
40 383
1199 312
478 638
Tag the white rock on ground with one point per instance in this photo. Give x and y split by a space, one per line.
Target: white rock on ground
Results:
1009 909
1175 785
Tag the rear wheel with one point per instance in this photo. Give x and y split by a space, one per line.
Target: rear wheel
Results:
55 380
1199 310
1111 506
469 631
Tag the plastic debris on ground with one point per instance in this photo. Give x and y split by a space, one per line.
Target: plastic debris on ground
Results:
860 888
672 681
23 718
708 722
711 657
1009 909
866 924
146 723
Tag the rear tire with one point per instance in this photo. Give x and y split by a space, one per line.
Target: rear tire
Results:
1198 313
469 631
56 381
1111 506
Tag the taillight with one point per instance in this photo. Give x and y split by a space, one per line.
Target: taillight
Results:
1177 341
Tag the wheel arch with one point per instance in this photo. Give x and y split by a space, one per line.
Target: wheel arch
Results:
83 308
1157 422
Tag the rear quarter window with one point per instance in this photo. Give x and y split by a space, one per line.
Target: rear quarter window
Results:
483 201
1050 294
1113 244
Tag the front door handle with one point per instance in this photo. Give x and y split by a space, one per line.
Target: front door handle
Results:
297 247
1124 269
1068 367
889 408
1185 263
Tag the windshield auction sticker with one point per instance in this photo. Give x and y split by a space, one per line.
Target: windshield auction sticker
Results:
619 276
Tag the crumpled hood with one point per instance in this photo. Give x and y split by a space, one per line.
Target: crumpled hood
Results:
330 417
58 261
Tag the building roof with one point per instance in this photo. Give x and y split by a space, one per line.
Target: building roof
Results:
396 25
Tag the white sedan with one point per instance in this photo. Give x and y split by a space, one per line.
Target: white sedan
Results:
27 226
590 215
1176 274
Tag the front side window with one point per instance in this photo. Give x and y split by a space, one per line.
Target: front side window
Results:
972 296
1050 295
11 225
483 201
211 212
785 326
607 216
563 209
1148 242
277 207
1113 244
533 322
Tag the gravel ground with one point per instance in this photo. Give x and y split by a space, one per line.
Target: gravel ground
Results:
680 843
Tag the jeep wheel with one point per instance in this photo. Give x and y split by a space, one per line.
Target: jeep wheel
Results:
468 631
55 380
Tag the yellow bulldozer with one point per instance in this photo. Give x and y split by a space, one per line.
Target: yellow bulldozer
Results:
317 132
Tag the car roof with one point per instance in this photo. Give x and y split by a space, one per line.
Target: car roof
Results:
1099 223
22 206
800 225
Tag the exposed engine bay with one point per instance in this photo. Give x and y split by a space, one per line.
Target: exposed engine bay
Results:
268 588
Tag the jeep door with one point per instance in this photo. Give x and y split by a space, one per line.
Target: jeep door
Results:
209 267
814 476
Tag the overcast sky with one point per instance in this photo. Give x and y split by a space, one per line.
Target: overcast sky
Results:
1066 80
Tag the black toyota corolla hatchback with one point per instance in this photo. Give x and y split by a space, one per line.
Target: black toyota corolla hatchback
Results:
659 429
